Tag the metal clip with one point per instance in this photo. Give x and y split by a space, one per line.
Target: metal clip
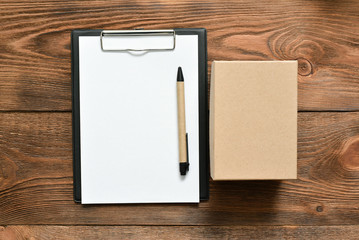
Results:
110 33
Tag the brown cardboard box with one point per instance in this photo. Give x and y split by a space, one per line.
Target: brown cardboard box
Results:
253 120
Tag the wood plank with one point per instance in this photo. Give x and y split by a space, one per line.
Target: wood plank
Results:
36 180
35 63
178 232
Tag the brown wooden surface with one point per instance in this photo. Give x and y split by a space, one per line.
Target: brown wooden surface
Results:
35 52
35 120
175 232
36 180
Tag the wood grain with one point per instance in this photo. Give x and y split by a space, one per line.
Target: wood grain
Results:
176 232
36 181
35 65
35 148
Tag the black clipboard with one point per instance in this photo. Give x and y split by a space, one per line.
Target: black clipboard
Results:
202 104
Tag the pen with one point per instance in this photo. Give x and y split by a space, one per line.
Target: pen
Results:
182 135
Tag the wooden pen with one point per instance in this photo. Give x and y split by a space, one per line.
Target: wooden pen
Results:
182 135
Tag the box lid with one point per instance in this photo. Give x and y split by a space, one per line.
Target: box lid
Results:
253 120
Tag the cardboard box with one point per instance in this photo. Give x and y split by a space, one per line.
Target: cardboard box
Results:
253 120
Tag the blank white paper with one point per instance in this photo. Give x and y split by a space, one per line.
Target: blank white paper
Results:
128 124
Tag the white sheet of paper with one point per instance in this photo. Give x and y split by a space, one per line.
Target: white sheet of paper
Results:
128 124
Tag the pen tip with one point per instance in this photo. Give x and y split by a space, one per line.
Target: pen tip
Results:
180 75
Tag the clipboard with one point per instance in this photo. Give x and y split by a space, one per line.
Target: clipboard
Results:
203 127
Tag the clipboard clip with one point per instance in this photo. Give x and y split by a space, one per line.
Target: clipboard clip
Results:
125 37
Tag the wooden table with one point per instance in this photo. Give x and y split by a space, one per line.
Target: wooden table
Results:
36 195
